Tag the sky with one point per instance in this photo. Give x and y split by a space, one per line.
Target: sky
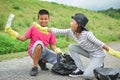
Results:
94 5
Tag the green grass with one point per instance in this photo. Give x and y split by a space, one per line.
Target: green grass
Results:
26 12
8 45
105 28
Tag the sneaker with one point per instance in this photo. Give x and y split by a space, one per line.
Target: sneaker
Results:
42 65
34 71
76 73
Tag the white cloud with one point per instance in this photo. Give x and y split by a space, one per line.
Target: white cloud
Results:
90 4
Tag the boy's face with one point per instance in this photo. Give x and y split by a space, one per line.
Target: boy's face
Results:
43 20
74 25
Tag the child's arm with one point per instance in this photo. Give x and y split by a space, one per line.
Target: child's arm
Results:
21 38
111 51
56 49
10 31
14 34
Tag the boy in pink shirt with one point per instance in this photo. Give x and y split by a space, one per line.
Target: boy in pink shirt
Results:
39 41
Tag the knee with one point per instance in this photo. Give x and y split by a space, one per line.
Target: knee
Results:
71 47
88 76
39 47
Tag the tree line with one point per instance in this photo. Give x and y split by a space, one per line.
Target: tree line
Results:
114 13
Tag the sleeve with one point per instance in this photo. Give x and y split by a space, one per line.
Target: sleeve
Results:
28 33
61 31
52 39
94 40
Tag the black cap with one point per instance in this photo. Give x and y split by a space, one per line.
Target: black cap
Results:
80 19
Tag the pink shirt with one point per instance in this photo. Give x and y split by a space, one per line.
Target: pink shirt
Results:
34 35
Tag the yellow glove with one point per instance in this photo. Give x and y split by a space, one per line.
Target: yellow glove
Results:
41 29
11 32
58 50
114 53
8 29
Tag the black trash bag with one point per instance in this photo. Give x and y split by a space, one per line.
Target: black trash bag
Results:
65 65
107 73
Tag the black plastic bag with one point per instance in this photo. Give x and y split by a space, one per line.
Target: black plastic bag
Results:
107 73
65 65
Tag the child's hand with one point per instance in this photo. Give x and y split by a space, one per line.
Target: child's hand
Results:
58 50
8 28
114 53
41 29
11 32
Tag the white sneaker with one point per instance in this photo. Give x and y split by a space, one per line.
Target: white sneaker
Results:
76 73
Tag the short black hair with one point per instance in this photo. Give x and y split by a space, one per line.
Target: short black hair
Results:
42 12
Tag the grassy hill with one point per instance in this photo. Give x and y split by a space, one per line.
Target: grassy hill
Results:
104 27
114 13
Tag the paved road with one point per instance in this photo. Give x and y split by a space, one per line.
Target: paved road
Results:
18 69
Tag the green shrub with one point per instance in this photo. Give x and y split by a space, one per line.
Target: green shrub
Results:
8 45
